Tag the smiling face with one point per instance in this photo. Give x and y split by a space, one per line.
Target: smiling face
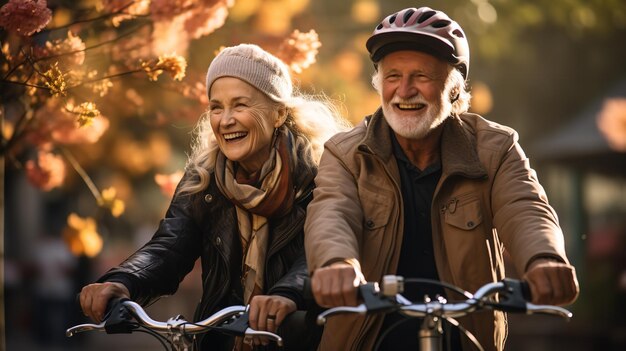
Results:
243 120
414 98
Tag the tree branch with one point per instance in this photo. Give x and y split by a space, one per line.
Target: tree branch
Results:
82 173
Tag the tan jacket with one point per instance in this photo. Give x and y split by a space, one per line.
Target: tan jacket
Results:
488 198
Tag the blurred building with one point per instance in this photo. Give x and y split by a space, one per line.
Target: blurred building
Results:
583 167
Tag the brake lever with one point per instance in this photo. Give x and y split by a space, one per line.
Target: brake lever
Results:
548 309
82 328
321 318
270 335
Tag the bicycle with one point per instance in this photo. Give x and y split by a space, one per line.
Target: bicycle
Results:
508 295
126 316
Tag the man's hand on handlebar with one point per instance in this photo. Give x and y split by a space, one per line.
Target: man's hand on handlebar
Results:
336 285
94 298
551 282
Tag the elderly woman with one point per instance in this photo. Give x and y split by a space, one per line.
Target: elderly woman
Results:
241 205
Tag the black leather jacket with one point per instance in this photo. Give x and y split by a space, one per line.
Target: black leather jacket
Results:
205 225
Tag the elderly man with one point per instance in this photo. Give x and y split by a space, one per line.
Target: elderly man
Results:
423 189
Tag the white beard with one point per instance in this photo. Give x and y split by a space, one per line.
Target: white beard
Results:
422 123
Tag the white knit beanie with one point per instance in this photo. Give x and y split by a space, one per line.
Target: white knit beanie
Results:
255 66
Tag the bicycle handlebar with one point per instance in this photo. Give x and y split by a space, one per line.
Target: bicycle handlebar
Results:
120 315
512 297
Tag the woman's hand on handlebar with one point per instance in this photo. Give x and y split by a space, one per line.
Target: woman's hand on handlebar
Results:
336 285
552 283
95 297
267 312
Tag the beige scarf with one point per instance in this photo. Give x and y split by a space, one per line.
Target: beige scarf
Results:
268 193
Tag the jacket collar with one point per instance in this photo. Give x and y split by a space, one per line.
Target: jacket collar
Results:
377 138
458 146
459 151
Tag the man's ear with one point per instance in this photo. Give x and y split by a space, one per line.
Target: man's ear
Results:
454 95
281 116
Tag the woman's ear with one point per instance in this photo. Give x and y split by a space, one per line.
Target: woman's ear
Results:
281 116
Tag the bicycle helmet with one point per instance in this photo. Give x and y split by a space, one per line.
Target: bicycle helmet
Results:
422 29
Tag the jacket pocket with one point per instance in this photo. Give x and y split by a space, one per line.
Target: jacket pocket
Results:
376 203
463 212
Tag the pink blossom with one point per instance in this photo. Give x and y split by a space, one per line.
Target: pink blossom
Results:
56 124
69 131
178 21
125 9
133 48
69 52
47 173
164 10
298 50
204 20
25 17
170 36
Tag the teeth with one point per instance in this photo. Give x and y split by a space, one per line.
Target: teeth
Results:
230 136
410 106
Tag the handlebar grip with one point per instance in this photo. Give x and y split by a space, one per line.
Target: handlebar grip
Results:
512 298
116 318
526 293
112 305
307 290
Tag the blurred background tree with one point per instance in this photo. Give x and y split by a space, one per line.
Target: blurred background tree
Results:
83 102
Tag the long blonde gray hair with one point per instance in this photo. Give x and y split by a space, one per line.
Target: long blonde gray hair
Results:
311 119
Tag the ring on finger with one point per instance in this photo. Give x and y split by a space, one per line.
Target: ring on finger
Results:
271 317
